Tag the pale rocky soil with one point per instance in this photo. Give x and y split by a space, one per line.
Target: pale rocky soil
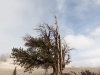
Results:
6 68
4 71
79 70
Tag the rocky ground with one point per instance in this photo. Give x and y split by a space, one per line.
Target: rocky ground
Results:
6 68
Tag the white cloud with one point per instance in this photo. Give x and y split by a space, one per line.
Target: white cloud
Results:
88 49
91 62
96 32
79 42
16 19
14 12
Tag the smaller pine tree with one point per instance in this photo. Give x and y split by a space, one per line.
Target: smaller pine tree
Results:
15 71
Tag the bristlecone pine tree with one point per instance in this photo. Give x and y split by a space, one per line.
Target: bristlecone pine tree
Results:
46 50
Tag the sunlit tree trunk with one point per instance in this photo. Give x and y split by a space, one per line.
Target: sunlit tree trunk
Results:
59 53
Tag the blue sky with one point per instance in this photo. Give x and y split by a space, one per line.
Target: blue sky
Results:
79 22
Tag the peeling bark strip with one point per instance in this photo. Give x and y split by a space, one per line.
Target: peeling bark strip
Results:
59 52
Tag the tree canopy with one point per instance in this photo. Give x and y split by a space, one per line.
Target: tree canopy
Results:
45 50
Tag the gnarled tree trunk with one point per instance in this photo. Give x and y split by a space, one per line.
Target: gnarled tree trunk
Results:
54 66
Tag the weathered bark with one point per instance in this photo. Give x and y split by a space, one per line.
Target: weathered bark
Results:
58 66
54 69
54 66
63 65
58 44
60 55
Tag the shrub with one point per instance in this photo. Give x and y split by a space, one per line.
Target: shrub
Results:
87 72
15 71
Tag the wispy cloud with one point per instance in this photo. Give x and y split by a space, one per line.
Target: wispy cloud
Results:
61 5
79 15
87 49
